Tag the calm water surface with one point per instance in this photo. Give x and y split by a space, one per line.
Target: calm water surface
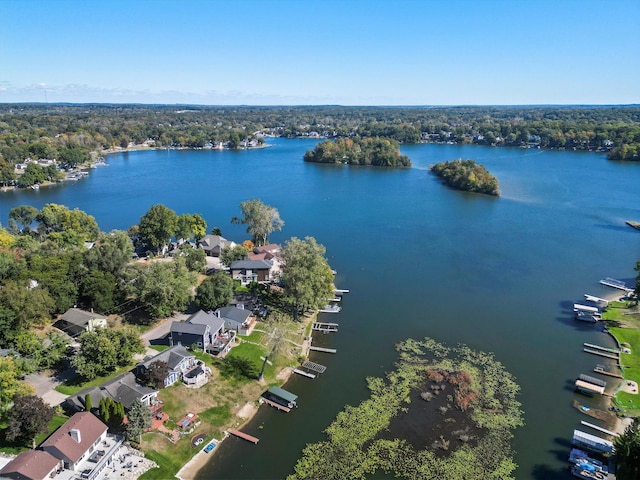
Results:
499 274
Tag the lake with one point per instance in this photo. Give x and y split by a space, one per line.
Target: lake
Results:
420 259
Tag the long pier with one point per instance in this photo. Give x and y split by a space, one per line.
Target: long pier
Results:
243 435
604 372
325 350
613 283
602 354
600 429
274 404
604 349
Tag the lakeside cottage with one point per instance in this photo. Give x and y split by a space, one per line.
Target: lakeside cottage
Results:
248 271
206 330
75 321
182 364
213 244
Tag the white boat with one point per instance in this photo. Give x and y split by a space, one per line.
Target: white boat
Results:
330 309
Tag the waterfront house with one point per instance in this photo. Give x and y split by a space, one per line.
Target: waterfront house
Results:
124 388
76 440
75 321
213 244
179 360
206 330
248 271
237 319
32 465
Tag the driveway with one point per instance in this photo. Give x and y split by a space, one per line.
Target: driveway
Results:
159 333
45 386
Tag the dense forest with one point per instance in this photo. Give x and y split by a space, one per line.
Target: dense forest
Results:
379 152
467 175
53 131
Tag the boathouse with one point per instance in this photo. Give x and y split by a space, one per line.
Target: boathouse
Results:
281 396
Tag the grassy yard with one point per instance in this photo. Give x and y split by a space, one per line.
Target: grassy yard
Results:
74 385
12 448
623 321
217 402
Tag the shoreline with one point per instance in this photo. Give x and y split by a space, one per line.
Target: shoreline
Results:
247 412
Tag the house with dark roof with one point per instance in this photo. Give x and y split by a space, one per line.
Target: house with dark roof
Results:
206 330
75 321
213 244
237 318
124 389
76 440
32 465
248 271
179 360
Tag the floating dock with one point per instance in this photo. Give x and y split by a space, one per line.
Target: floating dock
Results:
330 309
325 327
243 436
594 299
325 350
613 283
316 367
340 291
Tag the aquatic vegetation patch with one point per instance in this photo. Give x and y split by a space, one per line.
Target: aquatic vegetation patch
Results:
441 413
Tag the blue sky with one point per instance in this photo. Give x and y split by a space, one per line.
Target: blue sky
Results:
303 52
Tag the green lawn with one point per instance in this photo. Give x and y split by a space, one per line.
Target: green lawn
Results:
626 329
12 448
74 385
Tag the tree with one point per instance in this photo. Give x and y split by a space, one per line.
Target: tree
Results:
307 277
191 225
229 254
98 291
637 288
10 384
261 220
164 287
138 420
627 448
58 218
276 341
216 231
157 226
111 252
24 215
32 306
215 292
156 374
103 350
72 155
111 412
195 258
88 403
28 417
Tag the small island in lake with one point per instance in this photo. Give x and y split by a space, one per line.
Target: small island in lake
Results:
467 175
379 152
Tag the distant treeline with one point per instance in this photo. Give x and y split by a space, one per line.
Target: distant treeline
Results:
467 175
379 152
34 130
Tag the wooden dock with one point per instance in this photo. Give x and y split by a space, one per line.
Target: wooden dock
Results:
303 373
602 354
243 436
613 283
325 350
340 291
325 327
316 367
604 372
271 403
604 349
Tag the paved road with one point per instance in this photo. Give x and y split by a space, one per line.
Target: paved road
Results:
45 386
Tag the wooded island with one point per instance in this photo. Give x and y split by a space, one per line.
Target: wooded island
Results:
378 152
467 175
